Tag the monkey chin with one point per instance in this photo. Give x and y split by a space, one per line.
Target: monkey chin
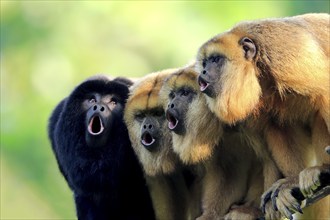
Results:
191 152
232 105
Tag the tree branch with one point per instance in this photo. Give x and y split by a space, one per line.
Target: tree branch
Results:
325 191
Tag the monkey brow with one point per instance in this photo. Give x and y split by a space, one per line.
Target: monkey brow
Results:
154 110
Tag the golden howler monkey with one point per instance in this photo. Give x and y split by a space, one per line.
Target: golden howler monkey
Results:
152 143
94 154
228 172
274 75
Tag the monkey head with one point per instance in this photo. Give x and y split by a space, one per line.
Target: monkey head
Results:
147 125
228 76
95 108
195 129
98 117
255 66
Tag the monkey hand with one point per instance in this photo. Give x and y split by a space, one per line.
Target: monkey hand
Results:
244 212
313 178
267 206
284 197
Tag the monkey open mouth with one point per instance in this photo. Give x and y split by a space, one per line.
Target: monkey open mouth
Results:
172 121
147 139
95 126
203 84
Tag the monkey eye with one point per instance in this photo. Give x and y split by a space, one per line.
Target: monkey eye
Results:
171 95
215 59
114 100
92 100
139 116
112 105
185 92
204 63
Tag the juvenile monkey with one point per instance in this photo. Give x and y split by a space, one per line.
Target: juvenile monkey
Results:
274 75
152 143
229 174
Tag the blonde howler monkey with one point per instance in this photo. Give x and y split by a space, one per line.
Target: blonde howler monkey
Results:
152 142
228 172
273 74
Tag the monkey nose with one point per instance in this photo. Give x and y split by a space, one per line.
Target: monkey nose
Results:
100 108
147 126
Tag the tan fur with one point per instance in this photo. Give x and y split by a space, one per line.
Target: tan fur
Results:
162 168
144 96
285 87
228 175
204 132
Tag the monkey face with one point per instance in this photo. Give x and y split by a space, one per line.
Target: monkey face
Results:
177 108
210 75
195 129
100 111
147 126
228 76
94 108
151 128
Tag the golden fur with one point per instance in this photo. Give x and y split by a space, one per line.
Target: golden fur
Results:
144 96
288 71
280 92
162 168
204 132
229 172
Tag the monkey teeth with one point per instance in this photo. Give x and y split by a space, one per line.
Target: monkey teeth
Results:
95 126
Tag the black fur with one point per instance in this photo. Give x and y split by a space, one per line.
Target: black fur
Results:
107 180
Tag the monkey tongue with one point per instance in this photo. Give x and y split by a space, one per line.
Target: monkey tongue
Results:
172 121
147 139
95 126
202 84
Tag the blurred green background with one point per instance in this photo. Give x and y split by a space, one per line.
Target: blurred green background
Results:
48 47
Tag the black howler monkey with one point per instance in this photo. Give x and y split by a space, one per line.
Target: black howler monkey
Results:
94 153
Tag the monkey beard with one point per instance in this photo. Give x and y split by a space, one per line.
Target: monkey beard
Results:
235 103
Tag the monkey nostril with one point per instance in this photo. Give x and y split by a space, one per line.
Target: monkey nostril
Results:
144 126
204 72
150 126
102 109
172 105
95 107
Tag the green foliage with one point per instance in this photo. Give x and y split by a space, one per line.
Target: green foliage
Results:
47 47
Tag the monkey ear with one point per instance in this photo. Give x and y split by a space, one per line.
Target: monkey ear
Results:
249 48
